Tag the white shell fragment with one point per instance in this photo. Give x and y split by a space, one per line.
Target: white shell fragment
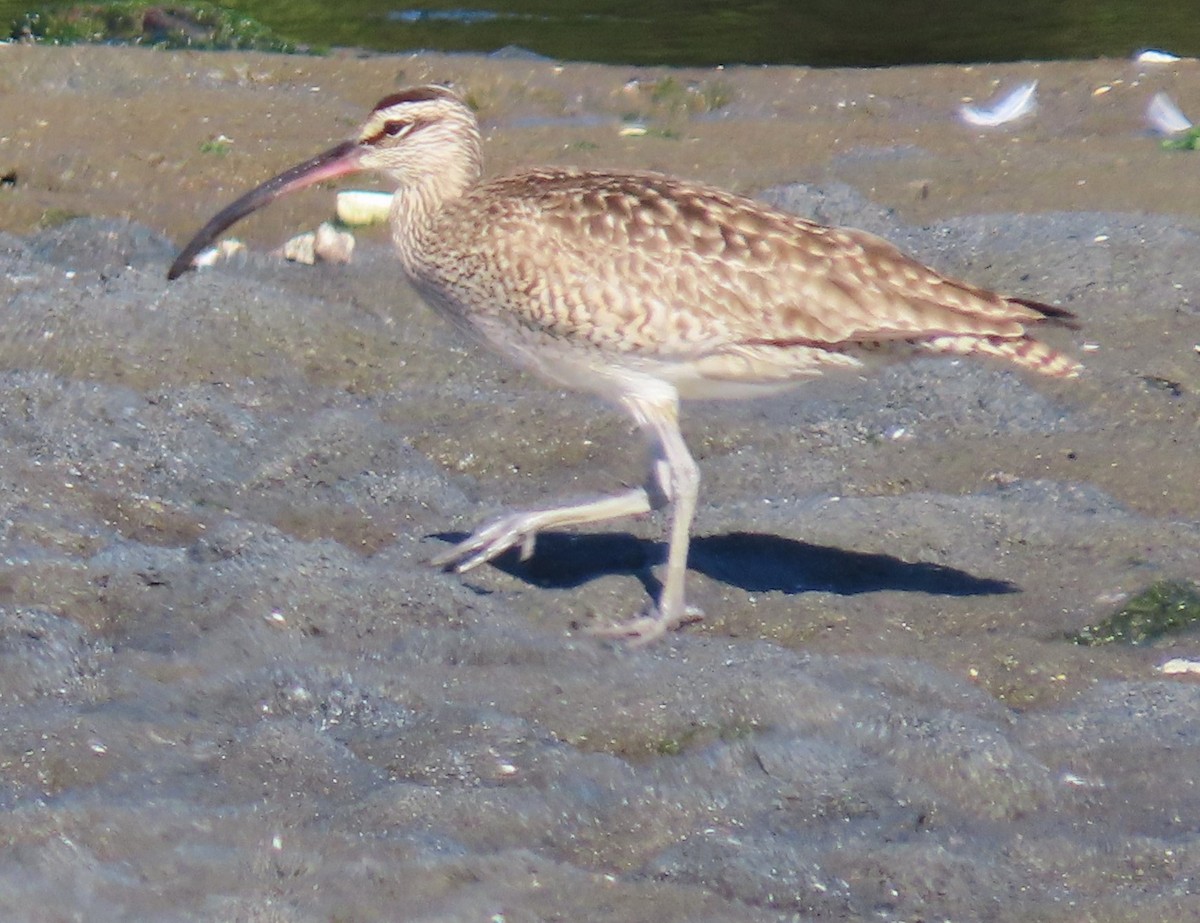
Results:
301 248
332 245
222 251
358 207
326 243
1165 117
1178 665
1155 56
1002 109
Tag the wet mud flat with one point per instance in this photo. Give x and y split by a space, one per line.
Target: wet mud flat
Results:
231 688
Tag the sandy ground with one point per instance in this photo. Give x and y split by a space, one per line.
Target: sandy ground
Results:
230 688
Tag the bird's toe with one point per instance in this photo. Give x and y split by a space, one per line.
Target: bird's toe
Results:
487 542
648 627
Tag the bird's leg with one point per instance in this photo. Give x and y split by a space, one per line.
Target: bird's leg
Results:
521 528
674 478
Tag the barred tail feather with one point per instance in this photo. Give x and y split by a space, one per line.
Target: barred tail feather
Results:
1025 352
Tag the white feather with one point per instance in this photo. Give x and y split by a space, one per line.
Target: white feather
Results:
1165 117
1155 56
1001 110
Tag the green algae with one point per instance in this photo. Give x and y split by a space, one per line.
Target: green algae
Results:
140 22
1164 608
1187 141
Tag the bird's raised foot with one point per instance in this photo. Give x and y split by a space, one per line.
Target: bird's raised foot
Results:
490 541
648 627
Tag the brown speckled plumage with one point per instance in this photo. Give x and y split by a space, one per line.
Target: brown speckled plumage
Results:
644 289
650 266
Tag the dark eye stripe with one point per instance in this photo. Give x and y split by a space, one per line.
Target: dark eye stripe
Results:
394 127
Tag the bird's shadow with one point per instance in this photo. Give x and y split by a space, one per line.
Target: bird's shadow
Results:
753 562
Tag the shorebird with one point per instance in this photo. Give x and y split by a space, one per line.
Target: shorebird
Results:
644 289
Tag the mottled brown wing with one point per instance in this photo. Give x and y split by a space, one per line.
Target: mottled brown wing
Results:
646 263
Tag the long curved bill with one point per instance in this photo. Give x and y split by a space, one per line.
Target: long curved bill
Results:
337 161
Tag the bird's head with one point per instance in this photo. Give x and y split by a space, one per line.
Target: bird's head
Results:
421 137
420 133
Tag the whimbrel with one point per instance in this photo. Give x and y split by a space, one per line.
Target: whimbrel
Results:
644 289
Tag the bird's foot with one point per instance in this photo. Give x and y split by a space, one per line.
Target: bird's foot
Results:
491 540
648 627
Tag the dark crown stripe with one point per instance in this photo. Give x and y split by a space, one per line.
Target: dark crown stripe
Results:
426 94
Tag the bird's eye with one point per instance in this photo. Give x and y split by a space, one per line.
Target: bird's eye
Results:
396 128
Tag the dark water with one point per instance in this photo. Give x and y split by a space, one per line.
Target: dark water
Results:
708 32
